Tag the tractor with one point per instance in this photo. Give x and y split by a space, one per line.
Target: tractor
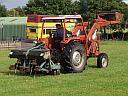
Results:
65 50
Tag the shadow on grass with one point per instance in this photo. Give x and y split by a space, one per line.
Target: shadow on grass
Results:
21 74
92 66
40 73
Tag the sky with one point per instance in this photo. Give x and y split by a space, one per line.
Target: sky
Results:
125 1
15 3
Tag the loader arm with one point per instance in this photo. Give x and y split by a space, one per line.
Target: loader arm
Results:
92 40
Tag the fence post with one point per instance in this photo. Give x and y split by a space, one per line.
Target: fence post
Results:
2 32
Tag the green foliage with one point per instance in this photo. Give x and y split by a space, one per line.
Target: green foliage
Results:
16 12
20 11
49 7
89 8
2 11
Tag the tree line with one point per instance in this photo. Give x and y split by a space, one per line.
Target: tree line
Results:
87 8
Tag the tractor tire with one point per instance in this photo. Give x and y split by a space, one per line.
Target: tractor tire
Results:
75 57
102 60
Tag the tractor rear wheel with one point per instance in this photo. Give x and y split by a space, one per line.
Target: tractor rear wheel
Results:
75 57
102 60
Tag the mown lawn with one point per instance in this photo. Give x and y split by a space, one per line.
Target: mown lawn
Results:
111 81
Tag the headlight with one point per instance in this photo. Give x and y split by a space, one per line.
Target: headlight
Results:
42 54
35 42
10 53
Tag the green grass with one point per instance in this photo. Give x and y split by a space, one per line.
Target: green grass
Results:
111 81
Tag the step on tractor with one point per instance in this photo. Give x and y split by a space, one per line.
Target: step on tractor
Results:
63 49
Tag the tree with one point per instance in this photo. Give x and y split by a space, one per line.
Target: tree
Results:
20 11
84 8
49 7
93 6
16 12
87 8
3 11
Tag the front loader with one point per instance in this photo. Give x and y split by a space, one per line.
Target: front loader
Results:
68 53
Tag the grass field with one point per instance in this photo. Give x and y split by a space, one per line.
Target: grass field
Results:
111 81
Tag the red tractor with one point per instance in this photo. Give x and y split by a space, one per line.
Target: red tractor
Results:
64 49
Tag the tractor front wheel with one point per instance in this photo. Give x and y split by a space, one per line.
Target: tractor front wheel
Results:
75 57
102 60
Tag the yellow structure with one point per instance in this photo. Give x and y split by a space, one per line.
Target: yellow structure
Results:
34 29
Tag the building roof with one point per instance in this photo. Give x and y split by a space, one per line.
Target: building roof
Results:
63 17
13 20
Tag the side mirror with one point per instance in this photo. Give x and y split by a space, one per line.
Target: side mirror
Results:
35 42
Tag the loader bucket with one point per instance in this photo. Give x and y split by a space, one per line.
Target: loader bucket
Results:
110 16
